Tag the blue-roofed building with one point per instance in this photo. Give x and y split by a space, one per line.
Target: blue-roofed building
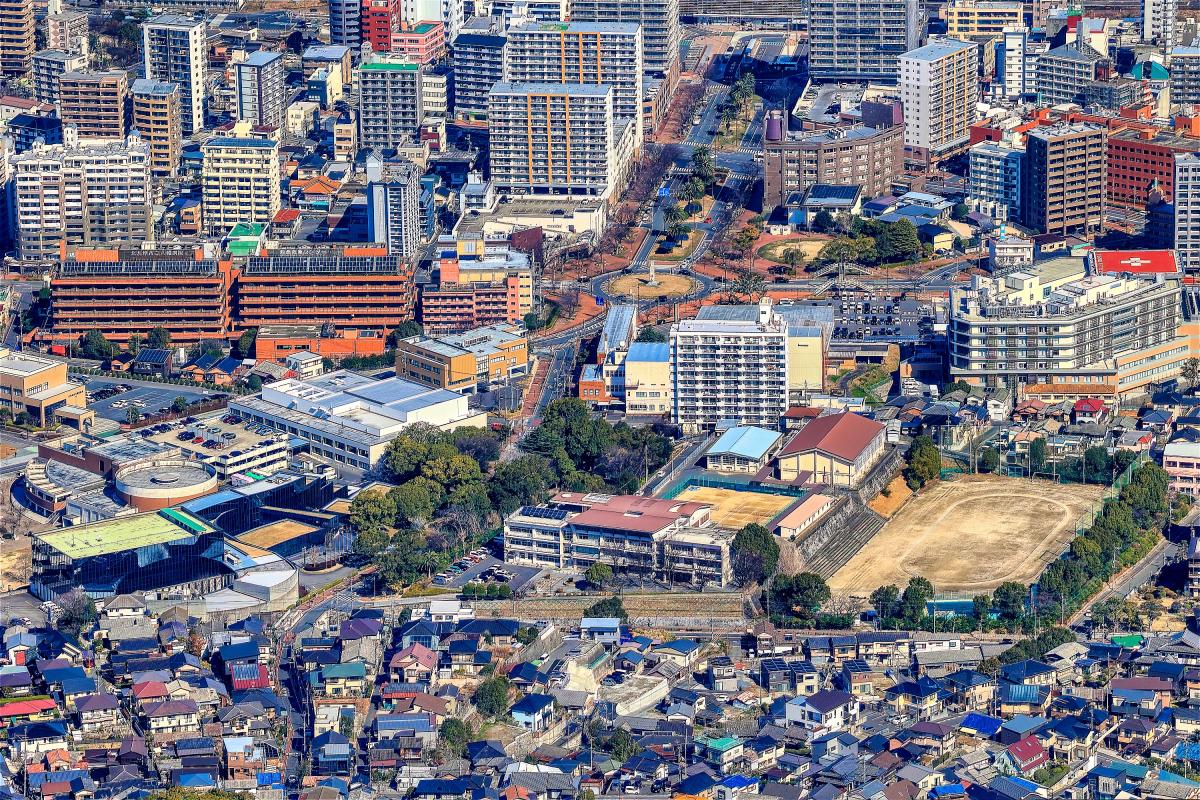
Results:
533 712
647 378
745 448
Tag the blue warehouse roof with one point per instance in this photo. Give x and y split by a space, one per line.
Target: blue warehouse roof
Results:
745 442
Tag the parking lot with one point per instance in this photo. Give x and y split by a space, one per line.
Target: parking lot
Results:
146 399
521 575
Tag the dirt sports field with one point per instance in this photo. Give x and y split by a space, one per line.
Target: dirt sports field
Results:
735 510
970 534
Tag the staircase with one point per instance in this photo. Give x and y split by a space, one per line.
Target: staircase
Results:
840 549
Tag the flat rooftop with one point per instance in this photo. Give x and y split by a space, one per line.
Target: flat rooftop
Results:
124 533
273 533
23 364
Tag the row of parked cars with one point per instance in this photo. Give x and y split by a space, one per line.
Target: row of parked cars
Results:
462 565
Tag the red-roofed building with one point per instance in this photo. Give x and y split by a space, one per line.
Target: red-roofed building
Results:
1088 409
838 449
1135 262
1025 757
33 709
797 417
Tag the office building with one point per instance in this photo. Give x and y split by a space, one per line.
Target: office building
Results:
601 54
85 195
348 418
363 289
378 18
729 363
995 180
939 87
174 47
1159 18
1065 73
240 180
861 41
16 37
854 155
345 27
68 31
478 66
1187 211
484 285
659 20
48 66
657 538
647 379
1063 179
1141 161
966 19
96 103
335 58
553 138
465 362
123 292
393 200
1058 331
37 386
389 96
158 119
259 87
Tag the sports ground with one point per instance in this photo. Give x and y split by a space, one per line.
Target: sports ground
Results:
735 510
970 535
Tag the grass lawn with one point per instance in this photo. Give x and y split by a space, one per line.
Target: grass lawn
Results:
809 248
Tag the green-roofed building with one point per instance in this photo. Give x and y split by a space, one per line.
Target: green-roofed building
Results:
139 553
390 101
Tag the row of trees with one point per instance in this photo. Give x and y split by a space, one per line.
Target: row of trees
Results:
95 345
873 242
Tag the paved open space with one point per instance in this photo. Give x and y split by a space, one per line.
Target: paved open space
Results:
154 398
970 535
736 510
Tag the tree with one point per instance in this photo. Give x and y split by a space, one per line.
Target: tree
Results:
491 697
703 165
651 333
524 480
802 594
989 460
990 666
678 231
415 501
902 239
158 338
1037 455
885 600
1190 371
598 574
133 415
823 222
981 606
1009 600
924 462
622 745
254 383
95 347
915 600
134 345
693 190
793 258
245 342
179 404
956 386
454 736
750 284
960 212
608 607
756 540
372 511
78 611
451 472
674 214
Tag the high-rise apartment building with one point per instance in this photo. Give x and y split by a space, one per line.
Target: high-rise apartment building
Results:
1187 211
48 67
968 18
260 90
608 54
1158 22
240 179
1064 179
174 50
378 19
1014 45
1065 73
553 138
96 103
1185 75
393 198
16 36
389 97
659 20
995 180
729 363
345 22
939 87
158 118
68 31
85 195
861 41
478 65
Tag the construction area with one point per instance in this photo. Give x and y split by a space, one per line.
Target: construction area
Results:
971 534
735 510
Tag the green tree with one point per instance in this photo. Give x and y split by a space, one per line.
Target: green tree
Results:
158 338
622 745
757 541
793 258
703 165
903 240
454 735
981 606
1009 600
956 386
823 222
179 404
134 345
989 460
924 462
523 481
491 697
960 212
599 573
802 594
254 383
990 667
402 331
1037 455
95 347
133 414
915 600
372 511
651 333
885 600
608 607
452 472
245 342
415 501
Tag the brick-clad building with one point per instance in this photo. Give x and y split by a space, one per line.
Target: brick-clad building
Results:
1143 158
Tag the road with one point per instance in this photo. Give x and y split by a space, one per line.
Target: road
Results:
1133 579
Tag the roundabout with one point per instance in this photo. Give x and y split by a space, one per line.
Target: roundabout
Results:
641 286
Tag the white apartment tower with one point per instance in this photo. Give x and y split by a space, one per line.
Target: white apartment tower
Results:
1158 22
729 363
939 85
240 180
1187 211
259 88
174 48
389 97
660 27
86 195
393 206
863 40
553 138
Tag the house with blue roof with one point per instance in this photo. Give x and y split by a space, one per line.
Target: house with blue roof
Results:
533 712
1018 698
606 630
981 724
681 652
743 449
